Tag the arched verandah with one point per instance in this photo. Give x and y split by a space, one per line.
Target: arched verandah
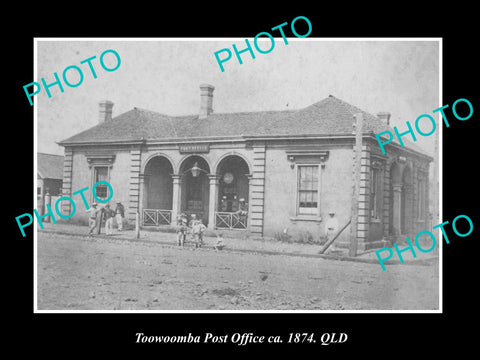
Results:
195 189
157 197
232 203
401 200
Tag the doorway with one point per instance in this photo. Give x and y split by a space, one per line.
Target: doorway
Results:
195 188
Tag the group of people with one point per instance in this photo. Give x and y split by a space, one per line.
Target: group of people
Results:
99 214
194 227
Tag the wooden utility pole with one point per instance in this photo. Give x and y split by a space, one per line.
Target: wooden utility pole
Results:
137 225
358 123
330 242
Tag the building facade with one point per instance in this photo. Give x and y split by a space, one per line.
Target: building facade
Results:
262 174
49 177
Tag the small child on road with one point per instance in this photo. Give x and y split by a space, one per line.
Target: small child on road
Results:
182 227
220 243
197 232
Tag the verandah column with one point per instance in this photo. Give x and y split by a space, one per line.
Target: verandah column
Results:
212 202
397 208
141 187
176 197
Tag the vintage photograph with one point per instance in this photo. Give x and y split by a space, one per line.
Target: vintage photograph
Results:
167 185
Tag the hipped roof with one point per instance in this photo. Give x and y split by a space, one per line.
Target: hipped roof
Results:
330 116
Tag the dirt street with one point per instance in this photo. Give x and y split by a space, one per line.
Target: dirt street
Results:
78 273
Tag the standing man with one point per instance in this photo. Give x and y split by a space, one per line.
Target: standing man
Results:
119 215
242 212
92 218
98 220
108 214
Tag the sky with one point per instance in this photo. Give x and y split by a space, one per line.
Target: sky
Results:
401 77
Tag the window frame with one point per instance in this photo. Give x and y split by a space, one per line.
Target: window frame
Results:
315 211
94 181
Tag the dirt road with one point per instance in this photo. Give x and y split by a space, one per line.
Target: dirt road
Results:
77 273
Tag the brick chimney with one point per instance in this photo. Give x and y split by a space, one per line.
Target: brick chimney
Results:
385 117
105 111
206 100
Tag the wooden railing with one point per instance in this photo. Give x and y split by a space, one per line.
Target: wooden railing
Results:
229 220
155 217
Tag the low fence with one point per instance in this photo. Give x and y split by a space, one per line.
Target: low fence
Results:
156 217
229 220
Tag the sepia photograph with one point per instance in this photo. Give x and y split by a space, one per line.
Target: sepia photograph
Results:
208 175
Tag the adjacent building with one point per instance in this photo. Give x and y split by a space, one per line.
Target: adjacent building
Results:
261 173
49 177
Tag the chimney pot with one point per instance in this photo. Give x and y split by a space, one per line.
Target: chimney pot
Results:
206 100
105 111
384 116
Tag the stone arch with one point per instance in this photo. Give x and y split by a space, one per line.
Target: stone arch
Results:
233 172
157 184
401 199
182 164
232 153
172 163
195 189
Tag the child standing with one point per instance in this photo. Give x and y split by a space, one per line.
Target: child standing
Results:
182 228
197 231
201 229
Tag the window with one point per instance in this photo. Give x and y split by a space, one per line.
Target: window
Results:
375 195
308 189
39 190
101 174
422 201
